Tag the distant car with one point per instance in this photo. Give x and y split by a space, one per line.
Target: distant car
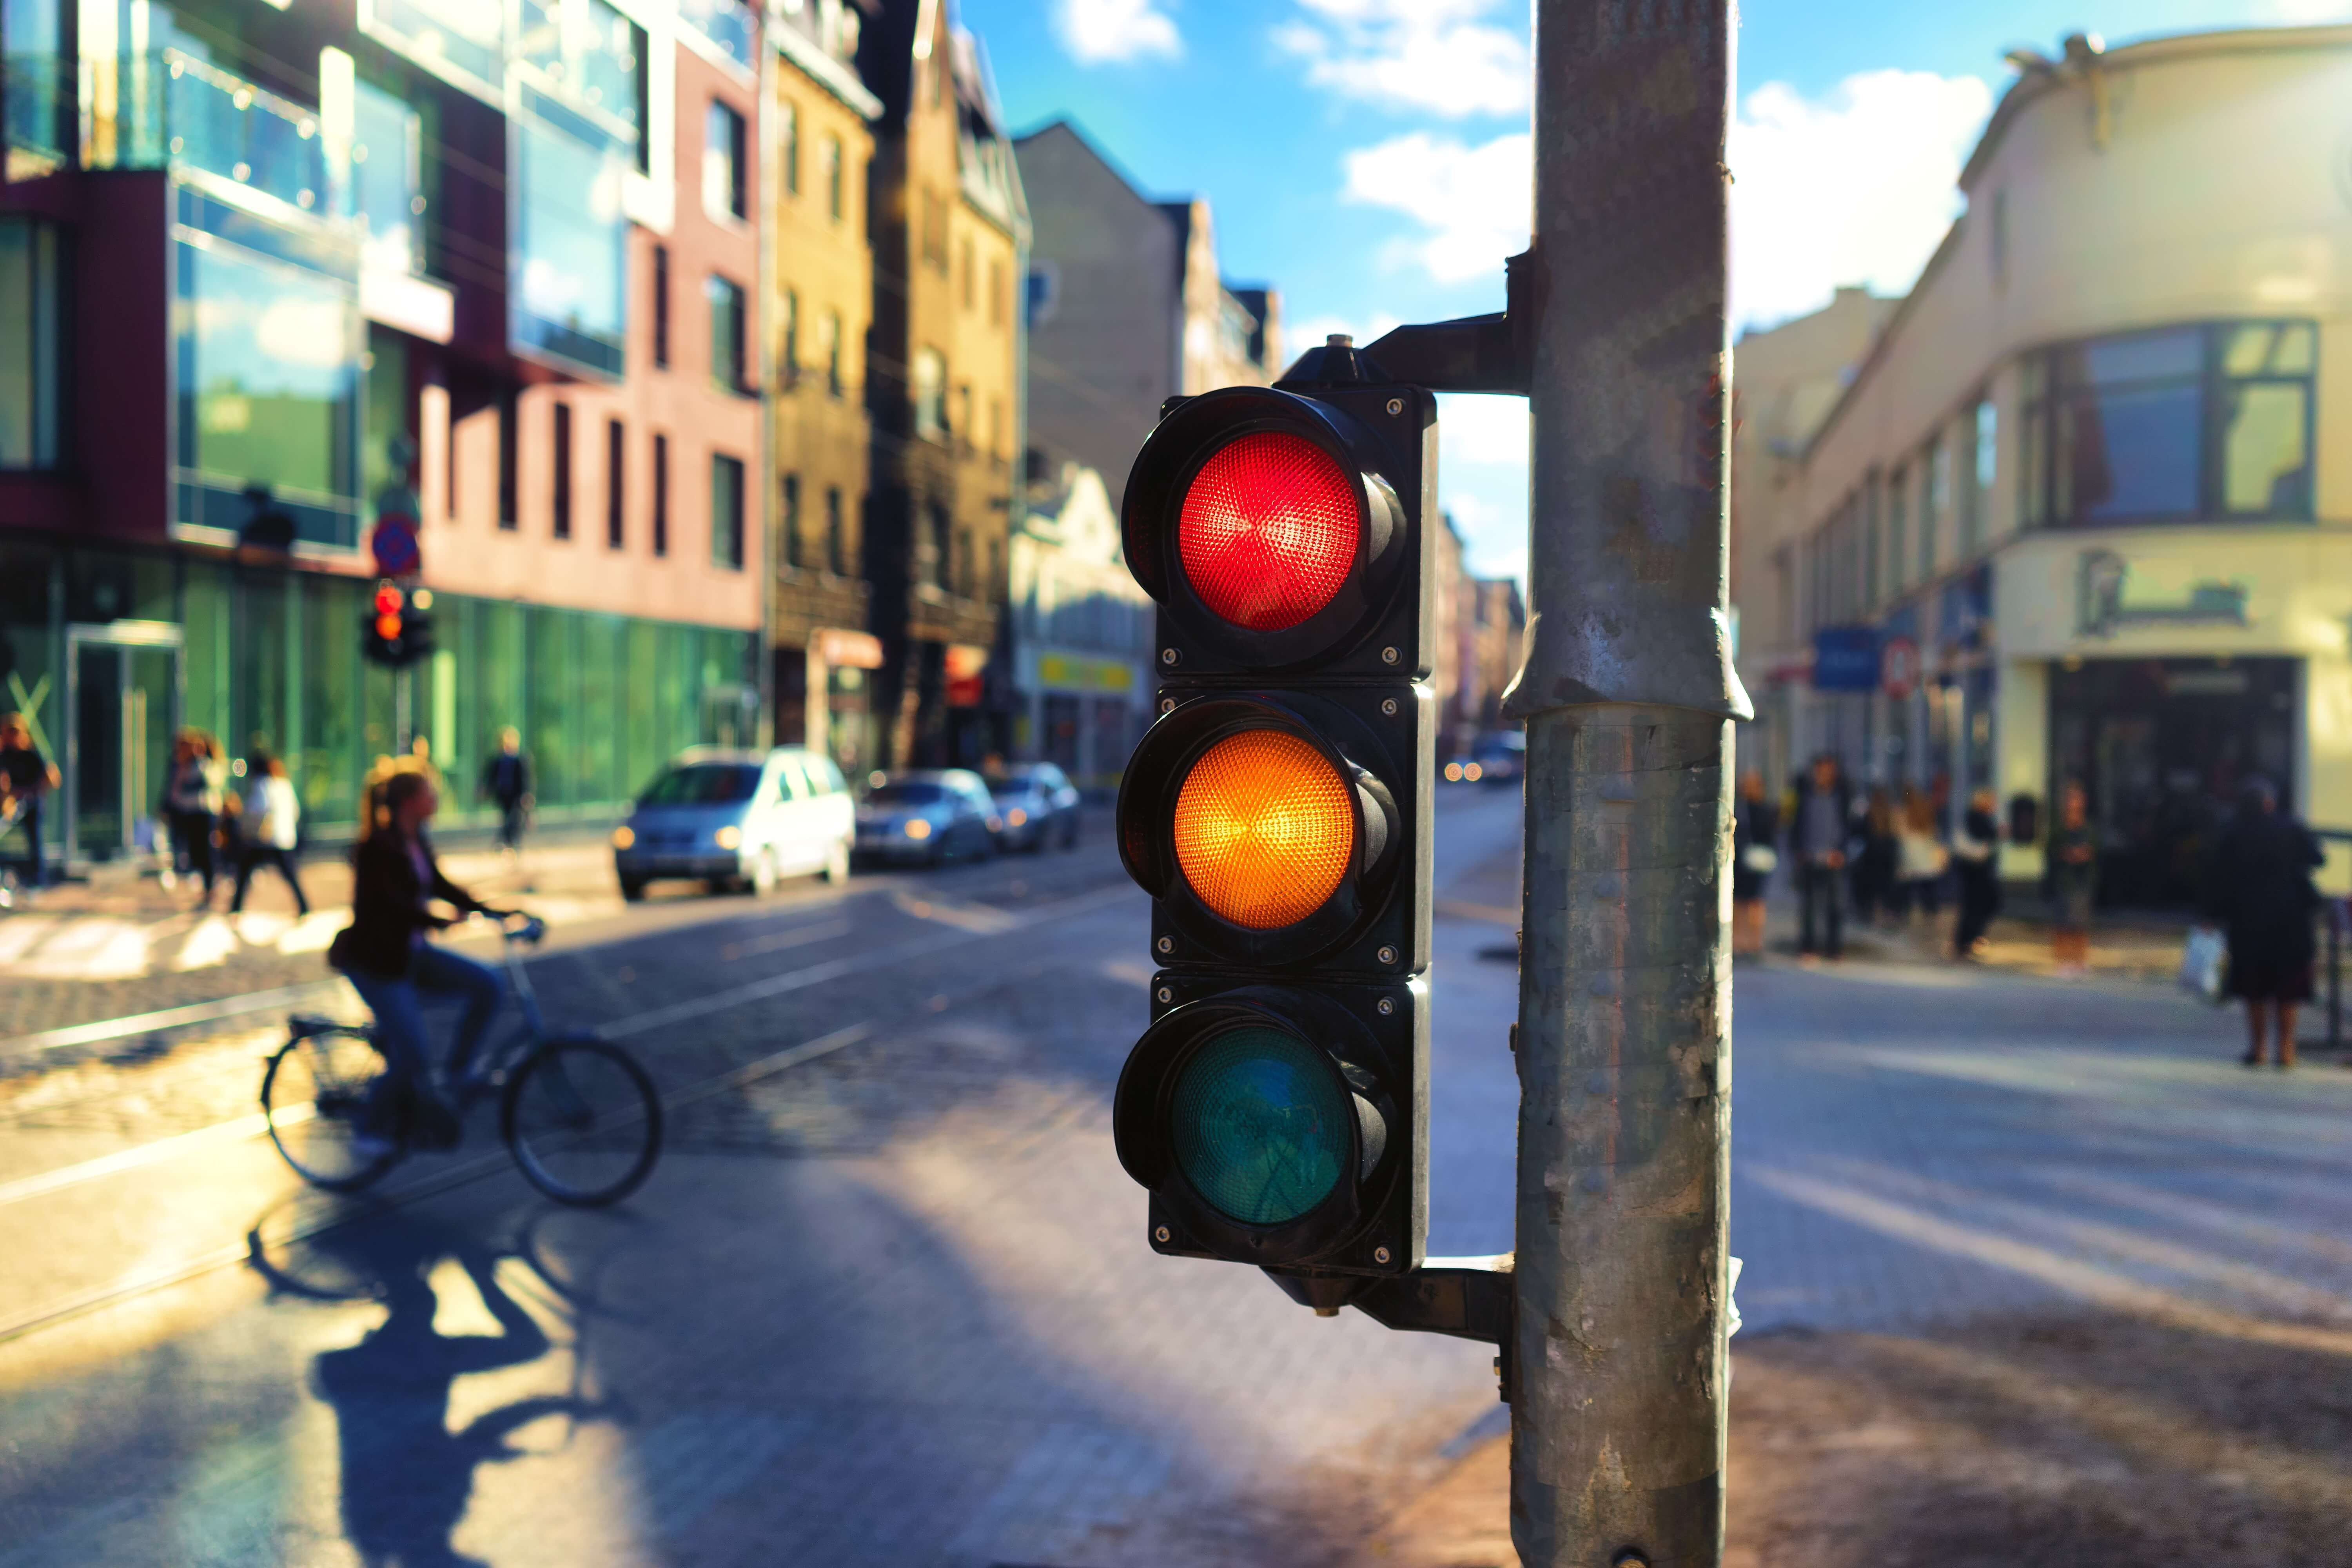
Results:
1037 805
745 819
1496 756
929 816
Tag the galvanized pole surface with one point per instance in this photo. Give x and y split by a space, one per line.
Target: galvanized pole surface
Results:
1628 693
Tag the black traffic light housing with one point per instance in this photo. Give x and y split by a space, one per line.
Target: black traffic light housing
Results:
1383 437
395 630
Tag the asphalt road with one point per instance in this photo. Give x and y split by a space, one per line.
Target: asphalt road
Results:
886 1301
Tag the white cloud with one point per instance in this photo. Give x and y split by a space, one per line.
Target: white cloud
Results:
1444 56
2305 11
1858 186
1473 201
1482 430
1097 32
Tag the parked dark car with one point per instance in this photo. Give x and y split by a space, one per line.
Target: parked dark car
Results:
929 816
1498 756
1037 805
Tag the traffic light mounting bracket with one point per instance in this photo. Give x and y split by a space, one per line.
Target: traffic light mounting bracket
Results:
1467 1298
1490 353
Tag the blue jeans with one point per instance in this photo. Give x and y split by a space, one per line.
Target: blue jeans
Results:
399 1009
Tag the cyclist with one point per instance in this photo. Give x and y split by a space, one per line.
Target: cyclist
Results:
384 954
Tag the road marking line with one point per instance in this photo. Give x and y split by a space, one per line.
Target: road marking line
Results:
800 937
256 1124
140 1155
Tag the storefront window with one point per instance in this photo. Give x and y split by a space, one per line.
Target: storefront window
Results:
268 382
2198 421
36 85
569 297
31 311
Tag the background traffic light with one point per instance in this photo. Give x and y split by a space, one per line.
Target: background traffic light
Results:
396 629
1276 1108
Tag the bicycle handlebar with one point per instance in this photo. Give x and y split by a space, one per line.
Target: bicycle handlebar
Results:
530 929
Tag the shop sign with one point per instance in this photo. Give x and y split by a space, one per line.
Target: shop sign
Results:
964 665
1845 658
1067 672
2105 602
848 650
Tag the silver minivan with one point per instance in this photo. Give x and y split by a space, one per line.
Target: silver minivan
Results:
738 819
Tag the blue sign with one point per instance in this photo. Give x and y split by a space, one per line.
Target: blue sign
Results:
393 544
1845 658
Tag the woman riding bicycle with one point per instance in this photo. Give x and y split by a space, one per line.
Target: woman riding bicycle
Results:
383 954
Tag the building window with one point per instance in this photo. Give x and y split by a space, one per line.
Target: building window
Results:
996 574
837 548
723 162
563 489
661 495
2183 422
567 291
935 232
788 346
2033 442
996 428
963 564
789 521
931 394
726 512
1898 503
661 307
1983 462
31 320
967 284
788 146
831 347
1937 504
964 427
935 547
726 324
832 161
509 460
387 176
614 458
996 298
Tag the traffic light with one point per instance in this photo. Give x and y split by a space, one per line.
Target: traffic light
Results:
396 629
1277 813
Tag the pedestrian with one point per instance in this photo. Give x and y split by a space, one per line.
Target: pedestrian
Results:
2073 880
27 776
1921 857
192 804
1975 854
1755 829
1820 836
2258 890
506 780
1873 875
273 815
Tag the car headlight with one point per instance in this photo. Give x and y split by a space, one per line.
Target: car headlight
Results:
728 837
623 836
996 824
918 827
1016 817
1454 773
1470 771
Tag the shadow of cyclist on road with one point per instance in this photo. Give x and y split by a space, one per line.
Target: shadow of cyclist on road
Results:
406 1477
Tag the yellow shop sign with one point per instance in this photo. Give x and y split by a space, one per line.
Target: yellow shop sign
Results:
1068 673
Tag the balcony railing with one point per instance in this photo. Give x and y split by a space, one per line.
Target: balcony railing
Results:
726 23
168 109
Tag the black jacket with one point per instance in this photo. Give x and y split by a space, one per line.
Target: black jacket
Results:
388 906
2258 889
1799 845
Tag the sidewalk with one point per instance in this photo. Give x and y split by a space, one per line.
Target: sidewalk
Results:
122 945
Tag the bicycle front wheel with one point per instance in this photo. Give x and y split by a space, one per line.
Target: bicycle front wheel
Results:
583 1121
331 1111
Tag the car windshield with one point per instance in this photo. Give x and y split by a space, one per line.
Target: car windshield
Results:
912 793
1014 783
703 783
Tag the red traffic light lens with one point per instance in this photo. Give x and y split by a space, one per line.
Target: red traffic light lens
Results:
1264 829
387 601
1269 530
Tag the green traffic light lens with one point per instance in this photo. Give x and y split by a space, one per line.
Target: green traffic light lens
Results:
1260 1125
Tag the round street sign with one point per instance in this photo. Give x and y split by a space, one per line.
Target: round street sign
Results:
393 544
1898 667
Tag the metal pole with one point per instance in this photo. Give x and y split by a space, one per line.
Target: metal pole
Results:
400 721
1628 692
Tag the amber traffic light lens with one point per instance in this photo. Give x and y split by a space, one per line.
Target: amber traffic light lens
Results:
387 627
1267 534
1264 829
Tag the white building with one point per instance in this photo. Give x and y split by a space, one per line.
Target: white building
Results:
1081 632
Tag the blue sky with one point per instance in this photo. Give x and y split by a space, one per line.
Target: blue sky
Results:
1368 157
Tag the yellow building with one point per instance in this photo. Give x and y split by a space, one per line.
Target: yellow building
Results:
819 284
951 240
2092 468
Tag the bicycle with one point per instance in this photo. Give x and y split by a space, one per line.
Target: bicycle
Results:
581 1118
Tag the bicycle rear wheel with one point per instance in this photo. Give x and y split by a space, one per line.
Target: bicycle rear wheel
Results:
583 1121
331 1111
